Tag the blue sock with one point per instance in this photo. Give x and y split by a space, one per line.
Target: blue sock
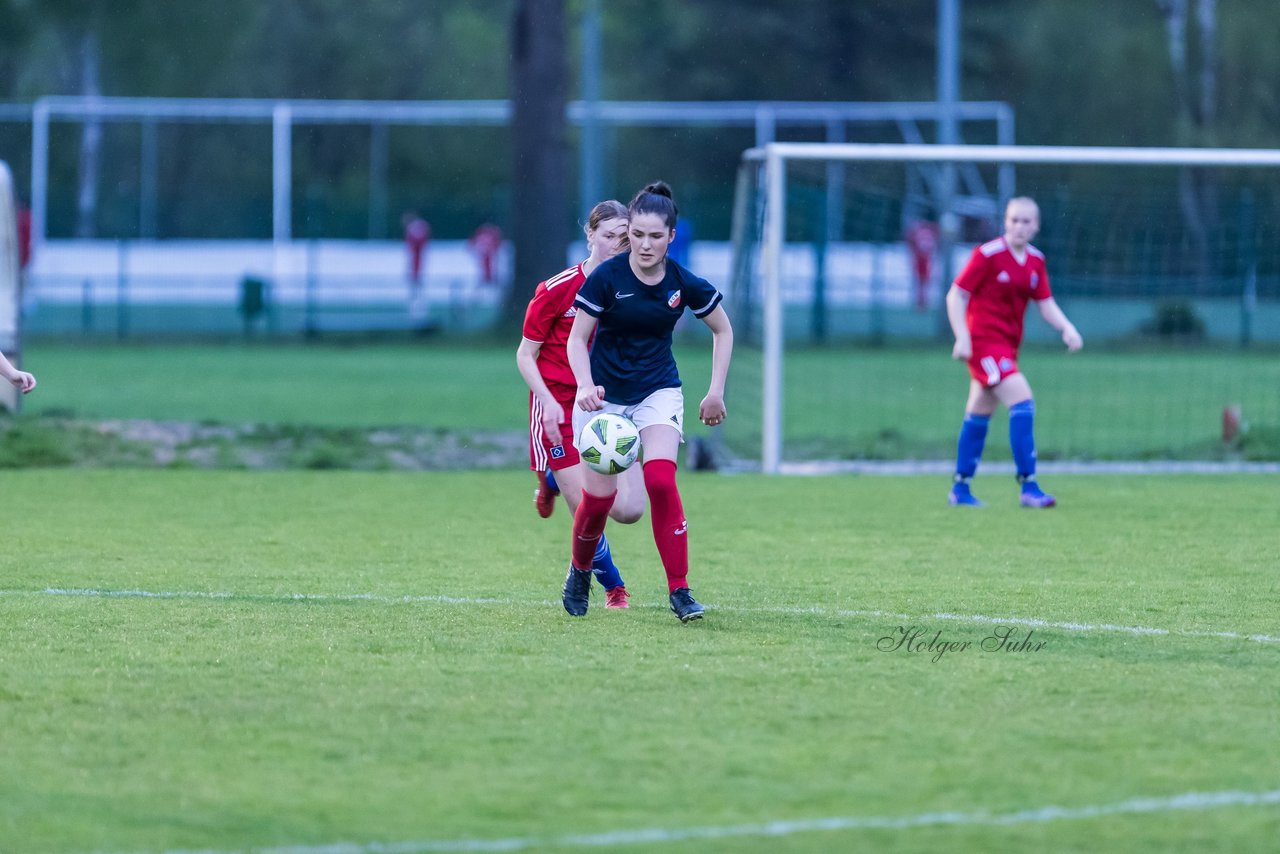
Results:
551 481
1022 439
606 572
973 436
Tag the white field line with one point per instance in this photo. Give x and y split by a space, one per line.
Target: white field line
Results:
977 619
901 468
661 835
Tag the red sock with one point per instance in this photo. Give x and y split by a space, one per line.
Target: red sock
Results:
588 526
667 515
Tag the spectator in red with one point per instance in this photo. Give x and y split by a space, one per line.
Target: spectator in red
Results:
922 240
417 234
24 238
485 243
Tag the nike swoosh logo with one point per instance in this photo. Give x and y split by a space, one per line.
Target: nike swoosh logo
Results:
617 295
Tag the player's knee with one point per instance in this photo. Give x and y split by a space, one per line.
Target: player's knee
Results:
660 477
626 514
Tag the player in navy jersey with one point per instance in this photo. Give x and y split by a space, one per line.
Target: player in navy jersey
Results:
985 306
631 303
544 364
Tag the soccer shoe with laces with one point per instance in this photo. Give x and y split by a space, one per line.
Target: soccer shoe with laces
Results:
544 497
684 606
960 496
1034 496
577 591
616 597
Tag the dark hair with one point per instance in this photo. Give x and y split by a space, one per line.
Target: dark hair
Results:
608 209
655 199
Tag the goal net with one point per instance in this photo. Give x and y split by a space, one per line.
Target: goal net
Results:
1167 260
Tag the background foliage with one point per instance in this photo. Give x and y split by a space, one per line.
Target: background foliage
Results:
1076 72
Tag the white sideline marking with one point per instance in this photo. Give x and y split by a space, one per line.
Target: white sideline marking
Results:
1038 815
899 468
1033 622
982 619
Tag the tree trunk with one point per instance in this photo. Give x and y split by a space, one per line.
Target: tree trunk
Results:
1197 100
540 175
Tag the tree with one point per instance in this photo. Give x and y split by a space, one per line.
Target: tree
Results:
1197 109
76 32
540 155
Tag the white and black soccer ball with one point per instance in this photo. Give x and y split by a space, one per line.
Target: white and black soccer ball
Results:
609 443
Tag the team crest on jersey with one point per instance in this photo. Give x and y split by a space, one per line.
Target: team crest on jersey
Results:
557 452
1006 364
572 312
1035 280
673 299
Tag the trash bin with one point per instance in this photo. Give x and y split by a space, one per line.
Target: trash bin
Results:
253 300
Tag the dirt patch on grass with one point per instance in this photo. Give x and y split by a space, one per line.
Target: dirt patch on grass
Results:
69 442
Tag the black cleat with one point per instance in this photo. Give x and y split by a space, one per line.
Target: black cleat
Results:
577 590
684 606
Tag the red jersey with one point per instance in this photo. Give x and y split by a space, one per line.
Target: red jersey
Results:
417 234
999 288
547 321
24 238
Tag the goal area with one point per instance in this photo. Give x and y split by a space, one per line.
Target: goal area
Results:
1167 260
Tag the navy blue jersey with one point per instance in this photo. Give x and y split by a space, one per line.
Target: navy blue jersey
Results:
631 356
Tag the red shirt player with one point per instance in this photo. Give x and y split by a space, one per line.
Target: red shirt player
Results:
544 363
417 234
24 238
485 243
985 306
922 240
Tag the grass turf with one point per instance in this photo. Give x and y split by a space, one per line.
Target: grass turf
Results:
838 402
476 709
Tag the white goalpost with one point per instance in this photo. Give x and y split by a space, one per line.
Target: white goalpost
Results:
774 244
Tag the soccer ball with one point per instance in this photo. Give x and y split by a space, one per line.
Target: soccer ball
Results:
609 443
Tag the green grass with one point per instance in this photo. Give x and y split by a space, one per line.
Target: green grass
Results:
259 719
440 385
851 403
863 403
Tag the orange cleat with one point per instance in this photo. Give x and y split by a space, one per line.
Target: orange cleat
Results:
544 497
617 597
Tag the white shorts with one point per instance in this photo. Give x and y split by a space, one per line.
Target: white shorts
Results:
664 406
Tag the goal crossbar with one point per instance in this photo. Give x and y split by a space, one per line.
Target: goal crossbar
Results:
1047 154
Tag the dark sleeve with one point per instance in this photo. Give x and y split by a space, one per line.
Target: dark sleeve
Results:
593 296
699 295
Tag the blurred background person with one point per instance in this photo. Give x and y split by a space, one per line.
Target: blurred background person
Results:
417 236
485 243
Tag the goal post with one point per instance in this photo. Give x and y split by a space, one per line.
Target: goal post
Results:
1137 197
10 272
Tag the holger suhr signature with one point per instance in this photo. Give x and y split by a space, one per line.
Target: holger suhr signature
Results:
921 639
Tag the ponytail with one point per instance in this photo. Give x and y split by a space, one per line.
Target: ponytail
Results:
655 198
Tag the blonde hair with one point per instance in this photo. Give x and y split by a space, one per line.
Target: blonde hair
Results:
608 209
1022 200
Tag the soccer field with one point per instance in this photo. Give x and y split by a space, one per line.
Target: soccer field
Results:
839 403
358 663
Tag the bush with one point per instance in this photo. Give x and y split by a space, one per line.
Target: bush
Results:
1175 319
